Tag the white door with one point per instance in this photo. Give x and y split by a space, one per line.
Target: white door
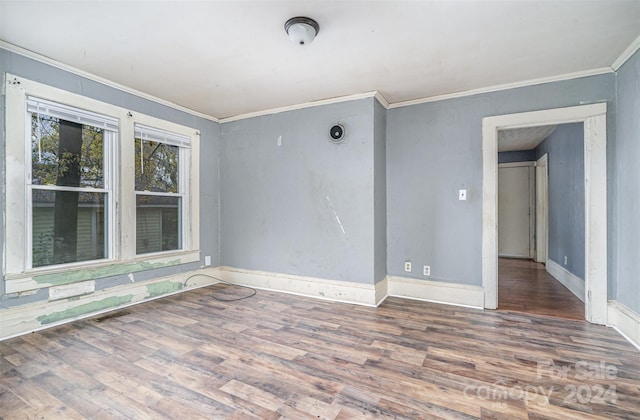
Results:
542 209
514 211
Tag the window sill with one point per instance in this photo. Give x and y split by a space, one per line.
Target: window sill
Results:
60 275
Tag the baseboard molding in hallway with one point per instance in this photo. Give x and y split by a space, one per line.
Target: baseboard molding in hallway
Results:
525 286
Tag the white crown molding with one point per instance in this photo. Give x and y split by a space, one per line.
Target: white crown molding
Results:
374 94
54 63
626 54
382 100
506 86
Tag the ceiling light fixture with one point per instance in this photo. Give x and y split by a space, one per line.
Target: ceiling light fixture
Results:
302 30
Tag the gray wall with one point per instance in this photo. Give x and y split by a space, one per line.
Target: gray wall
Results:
565 147
434 149
380 190
295 203
625 235
275 212
516 156
209 153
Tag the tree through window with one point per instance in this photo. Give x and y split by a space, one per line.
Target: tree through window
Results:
68 188
160 189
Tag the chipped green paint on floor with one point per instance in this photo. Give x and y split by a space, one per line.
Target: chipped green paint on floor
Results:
87 308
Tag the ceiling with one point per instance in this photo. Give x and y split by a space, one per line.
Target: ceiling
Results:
529 138
228 58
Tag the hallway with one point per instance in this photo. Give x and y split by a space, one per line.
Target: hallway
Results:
525 286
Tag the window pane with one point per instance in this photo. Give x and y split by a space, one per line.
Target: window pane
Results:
66 153
158 222
68 226
156 166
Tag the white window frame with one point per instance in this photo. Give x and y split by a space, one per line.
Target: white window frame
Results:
110 147
183 142
18 275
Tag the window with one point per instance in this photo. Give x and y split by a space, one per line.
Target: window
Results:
89 185
68 183
160 189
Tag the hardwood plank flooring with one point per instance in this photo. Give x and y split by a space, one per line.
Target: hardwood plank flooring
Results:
525 286
277 356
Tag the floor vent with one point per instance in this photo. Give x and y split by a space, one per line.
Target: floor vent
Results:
112 315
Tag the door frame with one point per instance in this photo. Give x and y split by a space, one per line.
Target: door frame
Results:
594 117
542 209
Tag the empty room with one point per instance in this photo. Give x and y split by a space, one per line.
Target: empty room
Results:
320 209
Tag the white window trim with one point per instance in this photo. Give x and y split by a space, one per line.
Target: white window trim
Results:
191 201
171 134
110 147
17 276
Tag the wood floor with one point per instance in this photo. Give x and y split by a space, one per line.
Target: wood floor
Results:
525 286
274 356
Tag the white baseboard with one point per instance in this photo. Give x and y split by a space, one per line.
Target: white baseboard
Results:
514 256
44 314
382 290
625 321
36 316
356 293
334 290
438 292
569 280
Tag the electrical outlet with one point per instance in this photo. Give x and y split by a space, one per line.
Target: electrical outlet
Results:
426 270
565 260
207 260
407 266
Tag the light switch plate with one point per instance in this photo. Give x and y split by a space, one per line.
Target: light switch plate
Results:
462 195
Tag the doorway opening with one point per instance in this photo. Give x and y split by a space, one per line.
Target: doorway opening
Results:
595 198
530 279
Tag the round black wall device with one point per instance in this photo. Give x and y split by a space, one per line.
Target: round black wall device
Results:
336 134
